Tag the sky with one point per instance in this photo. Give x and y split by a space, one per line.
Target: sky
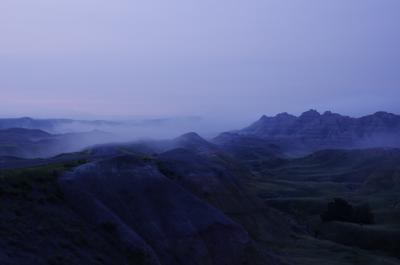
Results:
227 60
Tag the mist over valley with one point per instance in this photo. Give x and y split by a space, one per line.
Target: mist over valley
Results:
260 132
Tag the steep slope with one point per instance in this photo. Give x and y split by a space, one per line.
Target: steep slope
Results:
38 226
224 183
152 215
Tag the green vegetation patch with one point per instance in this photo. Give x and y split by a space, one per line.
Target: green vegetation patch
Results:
40 180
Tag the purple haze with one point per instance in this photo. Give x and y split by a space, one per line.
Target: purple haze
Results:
227 60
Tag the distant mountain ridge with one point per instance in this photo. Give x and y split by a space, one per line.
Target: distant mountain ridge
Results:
50 125
140 127
30 143
314 131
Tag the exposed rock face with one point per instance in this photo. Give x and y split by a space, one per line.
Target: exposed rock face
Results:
277 125
314 131
153 216
224 183
206 178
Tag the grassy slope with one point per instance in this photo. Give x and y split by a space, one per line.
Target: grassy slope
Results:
38 227
305 200
302 187
34 218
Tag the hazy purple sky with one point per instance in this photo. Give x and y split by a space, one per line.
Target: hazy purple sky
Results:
226 59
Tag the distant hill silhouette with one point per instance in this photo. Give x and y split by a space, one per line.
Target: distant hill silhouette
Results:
30 143
50 125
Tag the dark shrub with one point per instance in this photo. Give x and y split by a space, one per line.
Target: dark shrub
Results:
338 210
363 214
109 227
341 210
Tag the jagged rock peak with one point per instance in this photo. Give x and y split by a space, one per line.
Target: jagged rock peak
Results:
282 115
285 115
312 113
383 114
